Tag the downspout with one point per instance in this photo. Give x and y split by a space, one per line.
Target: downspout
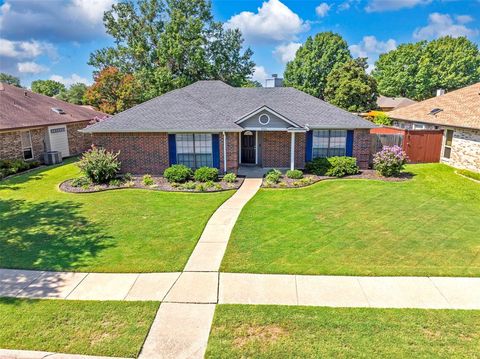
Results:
224 152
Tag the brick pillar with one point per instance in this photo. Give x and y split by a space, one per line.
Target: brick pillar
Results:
361 147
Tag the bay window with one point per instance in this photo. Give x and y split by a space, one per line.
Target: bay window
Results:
194 150
329 143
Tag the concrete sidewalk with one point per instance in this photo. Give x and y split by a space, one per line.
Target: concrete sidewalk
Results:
340 291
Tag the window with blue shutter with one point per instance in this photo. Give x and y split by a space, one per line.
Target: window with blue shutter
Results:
172 149
216 150
349 151
308 145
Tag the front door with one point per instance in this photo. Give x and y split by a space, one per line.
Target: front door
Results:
248 147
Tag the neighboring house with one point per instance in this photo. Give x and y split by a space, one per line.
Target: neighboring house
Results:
31 124
387 104
457 114
210 123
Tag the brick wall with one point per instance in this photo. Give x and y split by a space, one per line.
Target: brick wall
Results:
276 149
140 153
361 147
465 149
11 144
78 142
300 144
232 152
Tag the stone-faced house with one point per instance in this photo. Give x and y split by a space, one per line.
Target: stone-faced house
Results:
457 113
210 123
31 124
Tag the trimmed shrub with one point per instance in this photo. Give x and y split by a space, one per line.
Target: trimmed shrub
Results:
230 177
10 167
148 180
128 177
177 173
115 182
273 176
205 174
390 161
201 187
294 174
318 166
99 165
189 185
81 182
342 166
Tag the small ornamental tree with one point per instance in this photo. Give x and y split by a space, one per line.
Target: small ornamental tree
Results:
99 165
390 161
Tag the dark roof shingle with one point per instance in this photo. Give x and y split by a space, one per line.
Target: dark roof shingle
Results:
215 106
20 108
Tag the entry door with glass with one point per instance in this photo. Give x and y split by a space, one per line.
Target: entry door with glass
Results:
248 147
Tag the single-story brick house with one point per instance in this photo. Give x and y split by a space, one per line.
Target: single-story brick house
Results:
457 113
210 123
31 124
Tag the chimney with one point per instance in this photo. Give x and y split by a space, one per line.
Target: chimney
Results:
440 92
274 81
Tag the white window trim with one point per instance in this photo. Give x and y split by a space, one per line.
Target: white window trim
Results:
264 123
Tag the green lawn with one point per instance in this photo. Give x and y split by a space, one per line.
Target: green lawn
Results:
128 230
108 328
429 225
246 331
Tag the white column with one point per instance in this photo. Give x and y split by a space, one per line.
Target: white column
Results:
224 153
292 152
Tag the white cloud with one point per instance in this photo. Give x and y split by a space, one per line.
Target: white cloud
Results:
68 81
370 46
464 19
442 25
391 5
69 20
30 68
26 49
260 74
322 9
286 52
273 21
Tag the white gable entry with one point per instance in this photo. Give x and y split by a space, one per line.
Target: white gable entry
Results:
57 140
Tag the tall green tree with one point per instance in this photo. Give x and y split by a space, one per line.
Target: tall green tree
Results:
350 87
314 61
418 70
75 94
9 79
47 87
396 71
168 44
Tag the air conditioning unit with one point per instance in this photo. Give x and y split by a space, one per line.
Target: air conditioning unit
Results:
52 157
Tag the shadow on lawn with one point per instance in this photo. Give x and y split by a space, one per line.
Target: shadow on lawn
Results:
48 235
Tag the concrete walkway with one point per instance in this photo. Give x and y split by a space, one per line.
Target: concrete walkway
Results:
31 354
182 325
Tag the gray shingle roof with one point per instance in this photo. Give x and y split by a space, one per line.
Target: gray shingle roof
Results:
215 106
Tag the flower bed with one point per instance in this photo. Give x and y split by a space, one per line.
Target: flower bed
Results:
309 179
159 184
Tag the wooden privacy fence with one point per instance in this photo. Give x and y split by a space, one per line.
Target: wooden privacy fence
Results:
421 146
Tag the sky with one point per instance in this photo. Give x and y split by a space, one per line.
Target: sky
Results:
52 39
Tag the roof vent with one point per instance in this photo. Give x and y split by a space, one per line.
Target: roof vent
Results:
435 111
58 110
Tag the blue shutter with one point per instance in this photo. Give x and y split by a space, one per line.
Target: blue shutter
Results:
216 150
349 149
309 146
172 149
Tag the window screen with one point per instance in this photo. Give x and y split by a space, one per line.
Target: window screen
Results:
27 149
194 150
448 144
329 143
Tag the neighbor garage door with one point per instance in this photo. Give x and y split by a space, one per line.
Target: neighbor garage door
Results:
58 139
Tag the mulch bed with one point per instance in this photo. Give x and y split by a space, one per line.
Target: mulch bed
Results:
161 184
286 182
